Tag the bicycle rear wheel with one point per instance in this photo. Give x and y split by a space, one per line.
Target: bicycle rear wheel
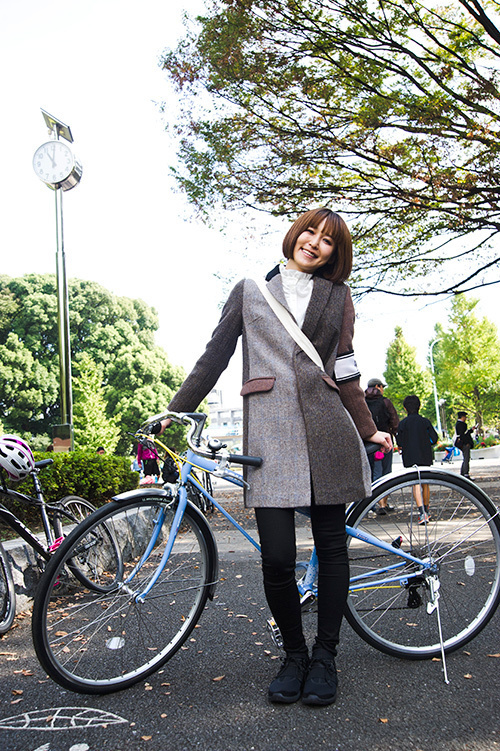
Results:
461 540
99 642
87 563
78 510
7 593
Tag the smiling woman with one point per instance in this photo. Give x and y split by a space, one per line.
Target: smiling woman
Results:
306 418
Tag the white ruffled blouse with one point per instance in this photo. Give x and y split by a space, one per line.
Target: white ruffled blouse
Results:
297 286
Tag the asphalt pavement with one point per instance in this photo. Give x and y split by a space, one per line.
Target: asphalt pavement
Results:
212 694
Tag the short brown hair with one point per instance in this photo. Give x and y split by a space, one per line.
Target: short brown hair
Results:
339 266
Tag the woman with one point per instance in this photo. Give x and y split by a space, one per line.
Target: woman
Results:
308 424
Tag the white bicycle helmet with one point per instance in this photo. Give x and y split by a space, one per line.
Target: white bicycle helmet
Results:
16 457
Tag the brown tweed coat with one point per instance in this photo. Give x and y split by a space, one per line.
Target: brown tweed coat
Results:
306 428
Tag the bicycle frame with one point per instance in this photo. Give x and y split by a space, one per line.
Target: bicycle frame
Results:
11 520
306 585
22 530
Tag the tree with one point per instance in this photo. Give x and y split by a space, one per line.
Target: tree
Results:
115 333
467 363
404 376
388 111
92 426
27 387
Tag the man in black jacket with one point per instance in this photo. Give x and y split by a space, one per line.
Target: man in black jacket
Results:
464 441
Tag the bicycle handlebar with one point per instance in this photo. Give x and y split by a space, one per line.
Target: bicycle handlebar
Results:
196 421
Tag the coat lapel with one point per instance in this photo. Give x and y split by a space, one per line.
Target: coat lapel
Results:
322 290
320 297
275 286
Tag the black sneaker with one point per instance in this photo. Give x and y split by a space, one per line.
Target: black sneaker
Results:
321 682
380 510
287 686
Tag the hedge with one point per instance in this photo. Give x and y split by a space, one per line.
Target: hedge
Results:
96 477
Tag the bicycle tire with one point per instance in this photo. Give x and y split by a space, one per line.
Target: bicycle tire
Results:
79 508
98 643
197 497
462 538
85 564
7 593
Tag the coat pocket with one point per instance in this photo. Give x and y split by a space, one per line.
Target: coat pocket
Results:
256 385
330 382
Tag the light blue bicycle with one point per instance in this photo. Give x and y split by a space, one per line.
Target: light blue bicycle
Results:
417 590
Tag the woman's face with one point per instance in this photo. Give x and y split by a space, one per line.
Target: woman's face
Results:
312 250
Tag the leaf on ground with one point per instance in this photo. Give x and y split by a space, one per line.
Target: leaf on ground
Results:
497 655
467 675
219 678
146 737
17 691
384 720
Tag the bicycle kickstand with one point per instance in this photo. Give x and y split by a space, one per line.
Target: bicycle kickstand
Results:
432 606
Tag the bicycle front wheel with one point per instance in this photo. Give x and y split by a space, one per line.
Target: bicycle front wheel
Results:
461 541
7 593
98 642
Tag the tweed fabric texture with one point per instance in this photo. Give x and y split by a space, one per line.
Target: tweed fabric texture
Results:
306 428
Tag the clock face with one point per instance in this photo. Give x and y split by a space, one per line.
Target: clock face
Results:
53 162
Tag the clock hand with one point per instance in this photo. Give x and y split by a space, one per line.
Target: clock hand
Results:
52 157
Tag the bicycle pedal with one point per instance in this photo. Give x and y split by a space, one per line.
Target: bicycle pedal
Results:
308 598
55 544
273 629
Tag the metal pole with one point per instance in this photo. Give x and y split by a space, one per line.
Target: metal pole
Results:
438 417
63 322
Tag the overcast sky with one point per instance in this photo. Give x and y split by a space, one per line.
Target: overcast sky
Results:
94 65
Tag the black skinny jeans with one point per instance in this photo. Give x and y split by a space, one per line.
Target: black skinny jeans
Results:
277 539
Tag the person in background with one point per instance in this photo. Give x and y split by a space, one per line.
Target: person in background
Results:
101 450
148 456
386 419
415 438
464 442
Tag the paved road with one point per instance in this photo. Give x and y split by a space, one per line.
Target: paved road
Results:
212 695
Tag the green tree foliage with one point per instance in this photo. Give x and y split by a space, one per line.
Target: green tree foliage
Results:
389 111
404 376
92 425
116 333
467 364
27 385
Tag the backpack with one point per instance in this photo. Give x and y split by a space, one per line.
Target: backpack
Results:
380 413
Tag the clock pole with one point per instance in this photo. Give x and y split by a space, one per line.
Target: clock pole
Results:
56 166
66 428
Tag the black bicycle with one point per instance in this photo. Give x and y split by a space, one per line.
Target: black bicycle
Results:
57 520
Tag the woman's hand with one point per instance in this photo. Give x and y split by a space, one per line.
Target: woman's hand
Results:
384 439
165 424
